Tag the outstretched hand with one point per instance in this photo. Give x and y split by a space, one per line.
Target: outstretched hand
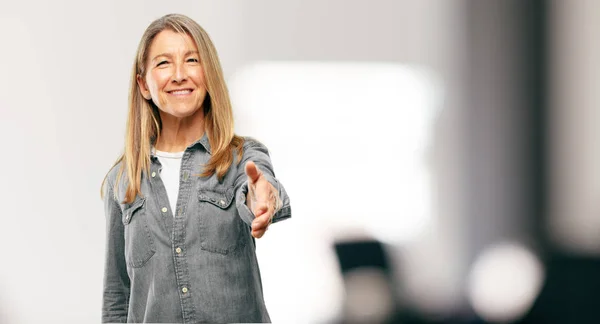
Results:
262 199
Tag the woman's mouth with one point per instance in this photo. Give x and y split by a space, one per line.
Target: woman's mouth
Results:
180 92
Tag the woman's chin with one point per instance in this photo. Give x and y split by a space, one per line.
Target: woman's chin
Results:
182 113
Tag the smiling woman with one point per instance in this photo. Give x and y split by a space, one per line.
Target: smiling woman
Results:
174 61
188 197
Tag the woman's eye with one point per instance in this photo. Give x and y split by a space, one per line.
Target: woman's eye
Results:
193 60
161 63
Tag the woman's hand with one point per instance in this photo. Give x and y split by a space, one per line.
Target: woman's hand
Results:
262 199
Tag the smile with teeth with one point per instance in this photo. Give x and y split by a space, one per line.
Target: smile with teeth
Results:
183 92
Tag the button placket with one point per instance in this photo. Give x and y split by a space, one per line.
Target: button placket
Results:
178 237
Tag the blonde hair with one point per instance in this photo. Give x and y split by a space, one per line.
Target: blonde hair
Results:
144 123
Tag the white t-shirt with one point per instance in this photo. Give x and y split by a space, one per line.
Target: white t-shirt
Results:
169 174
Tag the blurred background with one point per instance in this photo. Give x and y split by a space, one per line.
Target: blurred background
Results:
441 156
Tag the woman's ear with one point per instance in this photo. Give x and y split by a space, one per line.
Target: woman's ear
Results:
143 87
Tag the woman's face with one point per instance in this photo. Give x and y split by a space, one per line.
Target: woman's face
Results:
174 79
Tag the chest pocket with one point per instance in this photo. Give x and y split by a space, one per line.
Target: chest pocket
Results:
139 246
221 228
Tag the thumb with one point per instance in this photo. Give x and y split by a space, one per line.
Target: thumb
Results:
252 172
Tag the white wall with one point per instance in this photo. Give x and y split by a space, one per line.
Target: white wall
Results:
574 116
65 70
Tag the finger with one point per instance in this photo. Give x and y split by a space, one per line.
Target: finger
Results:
260 209
259 233
262 221
252 172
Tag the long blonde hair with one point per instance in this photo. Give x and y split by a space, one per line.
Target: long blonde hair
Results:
144 123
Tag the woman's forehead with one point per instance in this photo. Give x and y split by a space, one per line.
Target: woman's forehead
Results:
172 43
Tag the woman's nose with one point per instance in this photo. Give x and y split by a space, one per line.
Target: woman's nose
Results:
179 75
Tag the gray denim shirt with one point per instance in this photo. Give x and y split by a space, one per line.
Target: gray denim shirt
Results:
198 266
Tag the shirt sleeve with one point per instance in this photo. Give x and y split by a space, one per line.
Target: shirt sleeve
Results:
115 299
258 153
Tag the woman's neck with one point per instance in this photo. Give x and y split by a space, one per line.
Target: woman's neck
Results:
179 133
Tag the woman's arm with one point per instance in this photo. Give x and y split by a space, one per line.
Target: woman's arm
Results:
115 299
257 153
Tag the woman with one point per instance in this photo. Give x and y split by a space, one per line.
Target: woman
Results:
187 198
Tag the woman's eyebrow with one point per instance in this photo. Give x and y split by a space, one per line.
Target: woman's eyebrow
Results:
169 55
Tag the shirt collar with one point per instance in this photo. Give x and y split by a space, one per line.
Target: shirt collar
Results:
203 141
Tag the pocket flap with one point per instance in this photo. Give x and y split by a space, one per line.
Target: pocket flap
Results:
129 210
219 196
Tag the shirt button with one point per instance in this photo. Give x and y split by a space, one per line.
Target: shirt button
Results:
164 209
153 174
178 250
222 202
184 290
